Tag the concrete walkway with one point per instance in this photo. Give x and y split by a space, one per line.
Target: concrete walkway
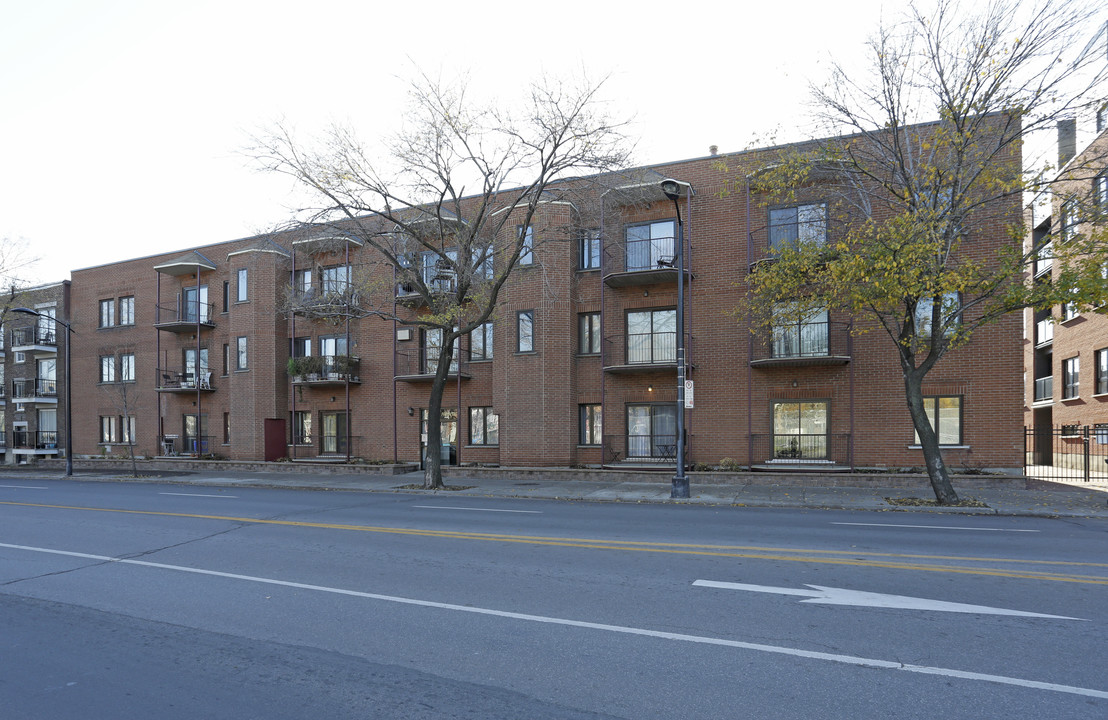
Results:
1020 497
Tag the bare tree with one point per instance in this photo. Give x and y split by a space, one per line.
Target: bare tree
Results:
924 168
124 397
445 208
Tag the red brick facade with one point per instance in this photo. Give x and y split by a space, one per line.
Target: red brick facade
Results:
536 394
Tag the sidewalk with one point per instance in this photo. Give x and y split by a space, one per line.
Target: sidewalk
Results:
1052 500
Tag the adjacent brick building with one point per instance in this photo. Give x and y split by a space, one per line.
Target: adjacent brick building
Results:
578 367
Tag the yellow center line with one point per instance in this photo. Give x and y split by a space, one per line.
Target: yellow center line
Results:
893 561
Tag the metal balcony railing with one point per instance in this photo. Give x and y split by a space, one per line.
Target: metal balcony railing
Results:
184 445
326 369
185 312
802 343
34 336
416 363
642 349
1044 332
34 387
184 378
1044 388
37 440
660 448
800 448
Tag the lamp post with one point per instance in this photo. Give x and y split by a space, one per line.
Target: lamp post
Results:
672 190
68 386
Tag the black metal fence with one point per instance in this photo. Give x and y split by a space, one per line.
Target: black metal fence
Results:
1069 452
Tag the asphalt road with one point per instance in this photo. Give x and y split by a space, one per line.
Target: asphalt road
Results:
138 601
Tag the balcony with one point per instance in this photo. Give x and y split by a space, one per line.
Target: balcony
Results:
34 339
1044 389
325 370
641 352
332 299
803 344
648 261
184 445
415 366
185 316
30 390
41 442
1044 259
173 380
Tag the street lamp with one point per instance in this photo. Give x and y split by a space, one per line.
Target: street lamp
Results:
672 190
68 387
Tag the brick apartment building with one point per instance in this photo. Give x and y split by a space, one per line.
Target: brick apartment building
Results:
577 367
32 374
1066 350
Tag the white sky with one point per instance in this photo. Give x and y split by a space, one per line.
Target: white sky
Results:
121 121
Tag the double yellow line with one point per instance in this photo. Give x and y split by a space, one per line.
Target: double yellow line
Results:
894 561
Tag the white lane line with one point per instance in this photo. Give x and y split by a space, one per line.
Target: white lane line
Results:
622 629
935 527
447 507
24 487
199 495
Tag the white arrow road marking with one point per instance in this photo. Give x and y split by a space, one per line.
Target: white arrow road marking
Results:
841 596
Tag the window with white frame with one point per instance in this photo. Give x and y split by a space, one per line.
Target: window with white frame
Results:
525 331
107 368
650 245
241 285
1102 371
484 426
944 413
128 425
1100 192
241 358
790 226
1069 219
1071 378
107 429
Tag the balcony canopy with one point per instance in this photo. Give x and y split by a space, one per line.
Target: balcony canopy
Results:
190 263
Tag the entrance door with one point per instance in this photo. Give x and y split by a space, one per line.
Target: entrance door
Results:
448 427
651 431
334 432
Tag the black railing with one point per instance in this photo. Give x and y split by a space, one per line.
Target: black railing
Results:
186 311
184 378
325 367
415 363
184 445
1044 388
794 448
660 448
34 387
1067 453
802 341
650 253
34 336
36 440
656 348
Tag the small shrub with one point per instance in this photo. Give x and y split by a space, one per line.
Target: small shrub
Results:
728 464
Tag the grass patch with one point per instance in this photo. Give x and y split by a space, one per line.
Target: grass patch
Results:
921 502
419 486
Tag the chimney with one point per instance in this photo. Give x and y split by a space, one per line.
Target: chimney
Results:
713 149
1067 141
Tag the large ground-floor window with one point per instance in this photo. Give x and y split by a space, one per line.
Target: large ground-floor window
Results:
800 429
334 432
651 431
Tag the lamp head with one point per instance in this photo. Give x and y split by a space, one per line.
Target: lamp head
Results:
26 311
671 188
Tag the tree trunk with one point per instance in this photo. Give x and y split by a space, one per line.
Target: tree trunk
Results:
929 441
432 460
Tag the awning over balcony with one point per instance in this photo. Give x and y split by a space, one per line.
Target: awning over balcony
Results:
188 264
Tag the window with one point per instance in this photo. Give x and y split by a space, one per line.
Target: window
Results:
588 251
196 306
1101 372
107 429
193 371
483 262
226 358
431 347
240 353
480 343
334 280
799 331
128 426
241 286
650 245
800 224
226 296
127 367
300 347
127 310
950 314
332 345
651 431
1069 220
107 368
302 427
527 250
651 337
588 333
107 313
800 430
1071 377
334 432
484 426
47 428
590 425
302 281
226 428
945 415
1100 192
1070 311
525 326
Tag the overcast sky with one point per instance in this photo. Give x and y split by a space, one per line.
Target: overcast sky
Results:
122 121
